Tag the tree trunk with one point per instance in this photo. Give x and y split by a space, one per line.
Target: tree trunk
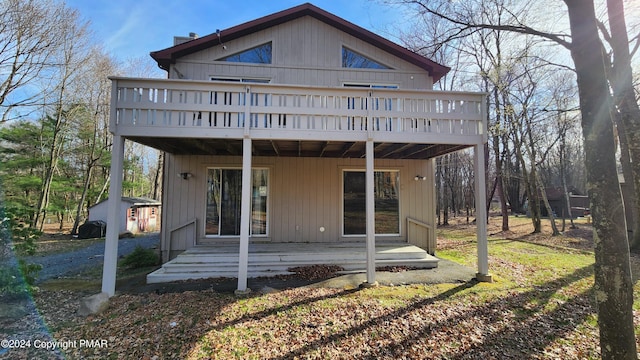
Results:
157 180
499 168
627 173
52 163
628 109
563 179
83 196
613 285
529 182
439 189
492 193
534 201
104 188
545 201
445 194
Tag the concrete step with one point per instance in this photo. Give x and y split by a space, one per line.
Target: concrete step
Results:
283 266
275 259
304 257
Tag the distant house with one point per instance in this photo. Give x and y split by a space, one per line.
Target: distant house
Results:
137 215
295 132
558 204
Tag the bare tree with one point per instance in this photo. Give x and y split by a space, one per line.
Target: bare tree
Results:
92 123
628 115
564 123
70 56
29 35
435 38
614 289
613 285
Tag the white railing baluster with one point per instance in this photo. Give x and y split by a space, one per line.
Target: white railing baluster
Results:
164 104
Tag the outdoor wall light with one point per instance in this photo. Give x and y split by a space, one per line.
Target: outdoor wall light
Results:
419 177
185 175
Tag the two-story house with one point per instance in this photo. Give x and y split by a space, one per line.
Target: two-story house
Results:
299 136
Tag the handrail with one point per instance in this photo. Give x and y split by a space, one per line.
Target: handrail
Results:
430 243
170 236
418 222
192 221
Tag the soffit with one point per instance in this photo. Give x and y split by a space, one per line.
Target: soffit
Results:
294 148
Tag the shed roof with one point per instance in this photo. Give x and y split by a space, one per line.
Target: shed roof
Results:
135 201
169 55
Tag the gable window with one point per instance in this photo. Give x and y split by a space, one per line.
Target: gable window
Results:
224 200
257 55
387 202
351 59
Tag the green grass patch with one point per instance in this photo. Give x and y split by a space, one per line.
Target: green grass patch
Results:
540 304
82 285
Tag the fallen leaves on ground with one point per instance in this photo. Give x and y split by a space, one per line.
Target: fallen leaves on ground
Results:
519 316
315 272
335 323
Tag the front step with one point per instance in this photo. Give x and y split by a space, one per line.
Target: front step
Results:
275 259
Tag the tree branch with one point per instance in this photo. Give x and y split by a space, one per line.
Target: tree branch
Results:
521 29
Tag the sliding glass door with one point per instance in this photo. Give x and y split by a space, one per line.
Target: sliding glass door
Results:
386 202
224 200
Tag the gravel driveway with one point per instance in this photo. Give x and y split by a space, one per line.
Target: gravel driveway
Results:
75 262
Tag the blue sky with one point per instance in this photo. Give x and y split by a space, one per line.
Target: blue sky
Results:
132 29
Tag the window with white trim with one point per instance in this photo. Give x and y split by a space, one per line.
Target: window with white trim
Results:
224 200
386 202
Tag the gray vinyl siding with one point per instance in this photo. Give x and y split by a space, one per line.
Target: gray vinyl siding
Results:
304 195
306 51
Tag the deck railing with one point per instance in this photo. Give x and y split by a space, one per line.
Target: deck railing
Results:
152 103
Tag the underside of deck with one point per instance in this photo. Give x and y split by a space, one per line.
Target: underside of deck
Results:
215 261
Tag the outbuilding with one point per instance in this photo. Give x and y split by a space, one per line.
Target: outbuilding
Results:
137 214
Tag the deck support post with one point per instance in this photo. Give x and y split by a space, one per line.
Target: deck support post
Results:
370 216
113 217
481 213
245 216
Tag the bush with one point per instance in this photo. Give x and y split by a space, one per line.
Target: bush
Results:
140 257
17 276
11 284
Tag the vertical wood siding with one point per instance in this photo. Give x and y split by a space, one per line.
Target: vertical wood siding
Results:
304 195
306 51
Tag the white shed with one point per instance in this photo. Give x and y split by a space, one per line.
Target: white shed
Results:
138 214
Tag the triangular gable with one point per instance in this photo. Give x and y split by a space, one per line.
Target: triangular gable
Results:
168 56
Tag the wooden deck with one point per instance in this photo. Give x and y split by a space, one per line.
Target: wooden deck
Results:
215 261
287 120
